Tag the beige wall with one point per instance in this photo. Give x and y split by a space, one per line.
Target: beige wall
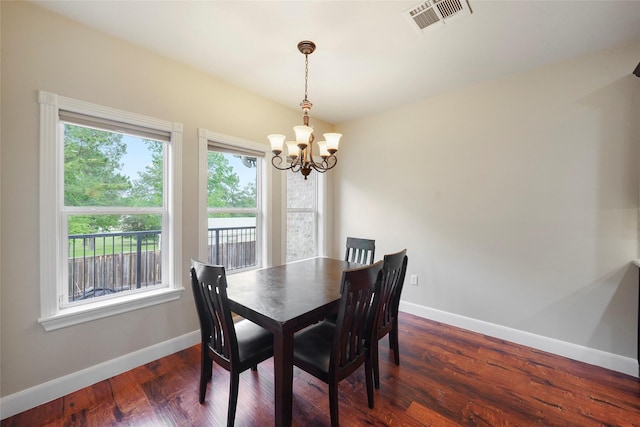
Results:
42 51
517 199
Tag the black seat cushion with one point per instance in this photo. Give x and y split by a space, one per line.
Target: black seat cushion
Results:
254 341
312 347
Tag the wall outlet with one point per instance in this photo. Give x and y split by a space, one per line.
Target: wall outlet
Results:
414 279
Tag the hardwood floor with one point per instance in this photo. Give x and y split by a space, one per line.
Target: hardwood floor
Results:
447 377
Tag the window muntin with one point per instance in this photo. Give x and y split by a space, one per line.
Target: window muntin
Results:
63 215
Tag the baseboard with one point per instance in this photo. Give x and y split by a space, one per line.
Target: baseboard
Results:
26 399
626 365
43 393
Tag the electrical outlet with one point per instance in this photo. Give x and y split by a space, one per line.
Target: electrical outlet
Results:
414 279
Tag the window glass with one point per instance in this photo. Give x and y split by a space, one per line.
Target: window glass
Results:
104 168
301 193
302 216
111 253
232 209
301 237
106 263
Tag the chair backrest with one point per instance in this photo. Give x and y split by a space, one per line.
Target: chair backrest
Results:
361 251
394 269
209 284
355 318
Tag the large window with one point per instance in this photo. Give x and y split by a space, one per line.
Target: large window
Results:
233 201
110 237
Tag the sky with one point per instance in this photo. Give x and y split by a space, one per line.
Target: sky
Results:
138 157
245 174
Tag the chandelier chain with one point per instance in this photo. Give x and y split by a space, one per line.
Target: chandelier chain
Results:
306 75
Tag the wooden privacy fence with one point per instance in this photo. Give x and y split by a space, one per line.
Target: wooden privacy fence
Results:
233 255
103 274
135 260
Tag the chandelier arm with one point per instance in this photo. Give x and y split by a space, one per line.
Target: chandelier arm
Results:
320 170
333 162
296 164
326 164
277 165
319 164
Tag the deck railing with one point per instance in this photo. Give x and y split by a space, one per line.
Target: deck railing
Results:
106 263
233 247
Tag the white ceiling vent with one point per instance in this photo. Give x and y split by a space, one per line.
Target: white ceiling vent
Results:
433 13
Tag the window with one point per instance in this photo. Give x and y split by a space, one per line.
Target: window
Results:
305 222
110 212
232 197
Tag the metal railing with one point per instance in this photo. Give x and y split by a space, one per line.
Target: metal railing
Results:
107 263
233 247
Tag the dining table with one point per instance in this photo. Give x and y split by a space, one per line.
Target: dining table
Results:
284 299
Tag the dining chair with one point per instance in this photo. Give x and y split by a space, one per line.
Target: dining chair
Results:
360 251
333 351
235 347
394 268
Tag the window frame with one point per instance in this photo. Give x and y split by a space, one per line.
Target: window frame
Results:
263 184
52 315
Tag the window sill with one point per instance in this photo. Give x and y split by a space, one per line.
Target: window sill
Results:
98 310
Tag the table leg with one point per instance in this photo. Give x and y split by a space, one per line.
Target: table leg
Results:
283 373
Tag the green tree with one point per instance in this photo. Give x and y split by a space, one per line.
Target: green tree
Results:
92 175
147 190
223 185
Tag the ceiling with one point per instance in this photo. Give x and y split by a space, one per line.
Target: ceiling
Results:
369 56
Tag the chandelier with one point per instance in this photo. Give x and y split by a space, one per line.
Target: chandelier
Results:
300 157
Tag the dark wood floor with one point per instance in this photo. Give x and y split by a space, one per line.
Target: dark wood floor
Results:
447 377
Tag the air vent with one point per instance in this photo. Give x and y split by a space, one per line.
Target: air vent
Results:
432 13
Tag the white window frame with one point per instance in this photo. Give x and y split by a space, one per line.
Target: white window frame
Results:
263 184
52 258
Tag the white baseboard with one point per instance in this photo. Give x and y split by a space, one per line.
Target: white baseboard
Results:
34 396
626 365
26 399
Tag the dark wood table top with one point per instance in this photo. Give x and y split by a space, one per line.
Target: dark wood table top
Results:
287 296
